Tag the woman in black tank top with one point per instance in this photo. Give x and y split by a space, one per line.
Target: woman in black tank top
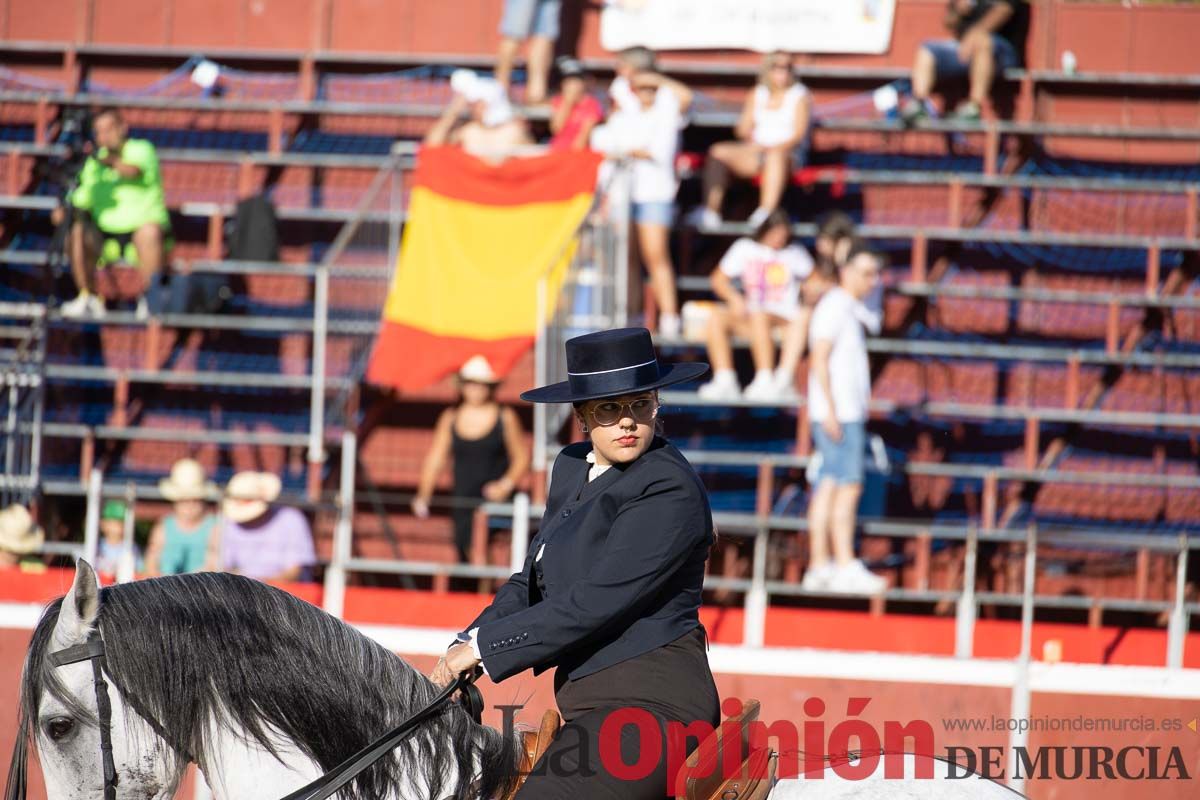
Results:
487 466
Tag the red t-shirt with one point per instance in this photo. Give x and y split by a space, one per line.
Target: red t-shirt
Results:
588 109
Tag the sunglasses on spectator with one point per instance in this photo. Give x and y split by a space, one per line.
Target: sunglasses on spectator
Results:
610 412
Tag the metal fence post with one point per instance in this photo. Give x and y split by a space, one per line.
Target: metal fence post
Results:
1177 627
334 601
754 627
540 370
620 205
316 422
1019 737
91 520
125 563
964 617
520 531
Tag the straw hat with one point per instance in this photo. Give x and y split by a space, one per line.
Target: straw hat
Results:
478 370
19 534
249 495
187 482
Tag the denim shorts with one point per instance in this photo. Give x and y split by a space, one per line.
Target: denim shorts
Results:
841 461
654 213
947 67
525 18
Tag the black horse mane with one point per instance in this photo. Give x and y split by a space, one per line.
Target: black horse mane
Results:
189 649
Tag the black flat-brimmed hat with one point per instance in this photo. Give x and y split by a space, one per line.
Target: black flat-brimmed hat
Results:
611 363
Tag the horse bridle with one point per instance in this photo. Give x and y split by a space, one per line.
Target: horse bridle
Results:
319 789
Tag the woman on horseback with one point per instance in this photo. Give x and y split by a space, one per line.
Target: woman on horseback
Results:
610 592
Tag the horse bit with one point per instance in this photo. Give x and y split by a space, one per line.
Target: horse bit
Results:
319 789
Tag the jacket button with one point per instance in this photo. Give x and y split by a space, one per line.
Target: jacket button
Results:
566 513
523 635
493 645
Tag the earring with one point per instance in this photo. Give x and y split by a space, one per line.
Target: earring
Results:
585 428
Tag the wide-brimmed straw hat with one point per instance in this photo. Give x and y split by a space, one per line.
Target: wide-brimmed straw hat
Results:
187 481
249 495
19 534
478 370
612 363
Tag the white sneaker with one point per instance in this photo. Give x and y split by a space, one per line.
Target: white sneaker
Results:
758 217
670 325
85 304
142 312
703 218
785 389
721 387
854 578
762 388
816 579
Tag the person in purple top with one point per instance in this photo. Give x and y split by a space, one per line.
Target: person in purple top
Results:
258 539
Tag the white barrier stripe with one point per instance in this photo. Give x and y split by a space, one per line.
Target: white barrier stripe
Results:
795 662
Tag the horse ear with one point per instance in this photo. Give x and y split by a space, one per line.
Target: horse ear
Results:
80 607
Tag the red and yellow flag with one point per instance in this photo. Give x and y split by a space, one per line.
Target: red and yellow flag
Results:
478 239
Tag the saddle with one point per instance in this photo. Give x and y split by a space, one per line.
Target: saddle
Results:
752 781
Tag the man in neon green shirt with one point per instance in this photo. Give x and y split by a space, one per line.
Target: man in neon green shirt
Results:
120 188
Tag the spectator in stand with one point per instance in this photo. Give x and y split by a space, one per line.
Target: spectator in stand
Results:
487 444
770 269
575 111
772 140
839 392
835 236
538 22
121 213
257 538
989 38
110 550
179 542
493 130
648 135
20 539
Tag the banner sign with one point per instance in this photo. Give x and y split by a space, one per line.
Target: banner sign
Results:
794 26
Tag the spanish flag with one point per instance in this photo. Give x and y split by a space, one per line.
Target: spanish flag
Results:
478 239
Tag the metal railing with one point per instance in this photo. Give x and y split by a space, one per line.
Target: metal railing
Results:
22 400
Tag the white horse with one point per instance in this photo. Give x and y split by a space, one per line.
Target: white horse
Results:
265 693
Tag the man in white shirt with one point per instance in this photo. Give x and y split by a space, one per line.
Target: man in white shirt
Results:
839 393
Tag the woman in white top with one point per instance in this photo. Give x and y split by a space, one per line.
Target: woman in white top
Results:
647 133
772 135
770 271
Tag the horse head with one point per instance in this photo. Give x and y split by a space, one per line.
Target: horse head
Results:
60 710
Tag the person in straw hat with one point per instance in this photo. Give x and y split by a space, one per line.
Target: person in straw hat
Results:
487 444
20 536
609 594
179 542
257 538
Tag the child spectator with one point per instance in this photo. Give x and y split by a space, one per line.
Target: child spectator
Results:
487 444
648 134
989 38
772 140
538 22
111 556
259 539
493 130
770 270
575 111
179 542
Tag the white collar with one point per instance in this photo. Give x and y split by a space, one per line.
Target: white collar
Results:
597 469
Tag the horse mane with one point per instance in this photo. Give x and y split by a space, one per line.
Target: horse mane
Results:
191 649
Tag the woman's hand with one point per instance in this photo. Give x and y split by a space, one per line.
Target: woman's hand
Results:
497 491
441 675
460 658
420 508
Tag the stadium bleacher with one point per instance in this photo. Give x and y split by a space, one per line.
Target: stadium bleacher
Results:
1042 331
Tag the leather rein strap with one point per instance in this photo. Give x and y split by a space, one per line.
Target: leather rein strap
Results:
321 788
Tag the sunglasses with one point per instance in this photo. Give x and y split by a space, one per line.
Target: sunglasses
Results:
610 412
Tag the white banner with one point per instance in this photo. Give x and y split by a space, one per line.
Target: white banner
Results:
796 26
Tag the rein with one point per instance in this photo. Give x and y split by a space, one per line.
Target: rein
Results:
319 789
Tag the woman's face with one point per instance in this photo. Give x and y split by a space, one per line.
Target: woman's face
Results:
189 512
779 73
621 428
475 394
776 237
